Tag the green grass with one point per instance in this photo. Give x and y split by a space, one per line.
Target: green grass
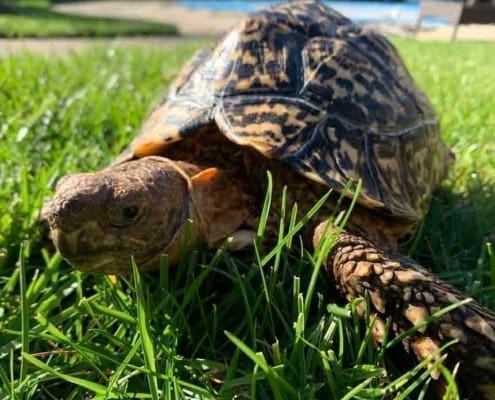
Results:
217 326
36 19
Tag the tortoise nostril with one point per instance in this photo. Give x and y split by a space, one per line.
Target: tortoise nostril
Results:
79 198
70 206
66 214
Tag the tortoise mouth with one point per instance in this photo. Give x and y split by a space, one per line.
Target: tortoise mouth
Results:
109 263
111 258
101 264
103 254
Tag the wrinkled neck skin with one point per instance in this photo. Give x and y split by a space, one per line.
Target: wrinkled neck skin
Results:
383 230
219 203
140 208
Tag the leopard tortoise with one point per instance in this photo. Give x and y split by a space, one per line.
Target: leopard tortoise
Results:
299 90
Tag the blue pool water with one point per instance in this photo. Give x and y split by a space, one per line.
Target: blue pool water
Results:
358 11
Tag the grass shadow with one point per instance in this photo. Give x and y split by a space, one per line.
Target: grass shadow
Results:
453 238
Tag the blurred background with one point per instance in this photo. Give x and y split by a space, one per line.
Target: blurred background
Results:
162 23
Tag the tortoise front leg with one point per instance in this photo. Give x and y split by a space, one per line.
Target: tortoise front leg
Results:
401 289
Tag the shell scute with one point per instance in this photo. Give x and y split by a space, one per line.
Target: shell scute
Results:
273 125
334 153
163 128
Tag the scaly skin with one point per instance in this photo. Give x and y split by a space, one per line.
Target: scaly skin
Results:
405 292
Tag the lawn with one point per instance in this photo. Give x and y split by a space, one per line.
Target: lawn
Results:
217 326
36 19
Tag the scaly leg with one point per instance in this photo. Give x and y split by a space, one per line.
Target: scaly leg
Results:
407 293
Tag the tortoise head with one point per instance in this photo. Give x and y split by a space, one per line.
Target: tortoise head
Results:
137 208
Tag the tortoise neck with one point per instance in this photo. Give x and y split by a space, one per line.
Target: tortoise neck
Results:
220 205
384 230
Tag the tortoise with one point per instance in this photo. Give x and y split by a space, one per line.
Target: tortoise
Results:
301 91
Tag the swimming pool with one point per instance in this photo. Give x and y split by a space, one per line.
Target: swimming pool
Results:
359 11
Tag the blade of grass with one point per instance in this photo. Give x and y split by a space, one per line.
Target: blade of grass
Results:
124 364
297 227
259 360
94 387
143 325
23 252
265 211
426 321
327 244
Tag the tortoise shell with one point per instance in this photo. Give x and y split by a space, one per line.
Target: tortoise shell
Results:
302 84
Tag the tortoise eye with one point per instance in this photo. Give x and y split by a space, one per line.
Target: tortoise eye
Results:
130 212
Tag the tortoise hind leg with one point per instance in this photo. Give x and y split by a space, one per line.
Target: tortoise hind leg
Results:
404 291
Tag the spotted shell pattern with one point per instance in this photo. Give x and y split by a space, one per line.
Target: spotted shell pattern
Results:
302 84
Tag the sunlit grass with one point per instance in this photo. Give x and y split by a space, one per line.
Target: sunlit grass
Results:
36 19
217 326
